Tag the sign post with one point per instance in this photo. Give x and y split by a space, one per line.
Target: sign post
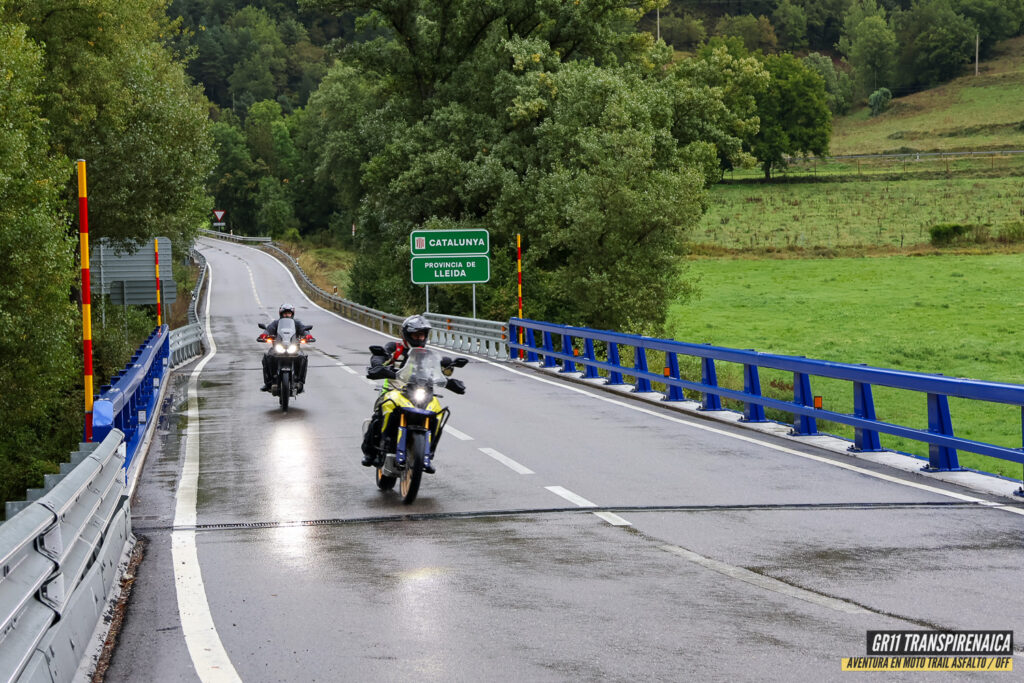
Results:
450 257
83 243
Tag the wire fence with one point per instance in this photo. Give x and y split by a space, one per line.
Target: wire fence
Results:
903 165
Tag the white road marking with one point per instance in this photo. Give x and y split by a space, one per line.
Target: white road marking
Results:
461 436
347 368
252 280
765 582
582 502
209 657
764 444
571 497
506 461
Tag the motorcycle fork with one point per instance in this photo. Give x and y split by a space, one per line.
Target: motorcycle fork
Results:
403 433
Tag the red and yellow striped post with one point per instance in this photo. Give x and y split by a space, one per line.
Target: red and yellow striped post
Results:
519 274
83 240
156 262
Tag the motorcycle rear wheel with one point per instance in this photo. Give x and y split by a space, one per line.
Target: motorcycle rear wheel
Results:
285 391
409 483
385 482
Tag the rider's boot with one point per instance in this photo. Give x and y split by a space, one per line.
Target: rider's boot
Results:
368 447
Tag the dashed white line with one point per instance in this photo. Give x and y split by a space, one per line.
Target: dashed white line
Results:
582 502
461 436
506 461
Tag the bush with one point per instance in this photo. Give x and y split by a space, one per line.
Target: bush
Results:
946 234
1011 233
879 101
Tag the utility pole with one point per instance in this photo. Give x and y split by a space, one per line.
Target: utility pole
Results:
977 37
658 20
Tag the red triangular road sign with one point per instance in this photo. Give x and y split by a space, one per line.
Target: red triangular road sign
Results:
219 214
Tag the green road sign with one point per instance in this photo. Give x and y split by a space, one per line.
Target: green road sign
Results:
450 270
475 242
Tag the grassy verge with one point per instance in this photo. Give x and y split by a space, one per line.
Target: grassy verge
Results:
956 314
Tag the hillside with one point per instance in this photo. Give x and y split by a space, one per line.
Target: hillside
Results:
969 113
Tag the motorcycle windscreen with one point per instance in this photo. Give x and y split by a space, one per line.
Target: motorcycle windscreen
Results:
422 368
286 331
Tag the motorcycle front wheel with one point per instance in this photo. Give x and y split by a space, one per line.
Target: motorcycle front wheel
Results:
285 391
410 481
385 482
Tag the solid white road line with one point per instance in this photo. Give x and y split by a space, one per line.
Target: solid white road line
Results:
506 461
209 657
582 502
461 436
765 582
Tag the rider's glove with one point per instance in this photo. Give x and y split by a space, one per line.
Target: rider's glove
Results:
456 386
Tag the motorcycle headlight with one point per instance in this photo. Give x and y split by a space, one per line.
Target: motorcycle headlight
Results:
279 348
419 396
293 348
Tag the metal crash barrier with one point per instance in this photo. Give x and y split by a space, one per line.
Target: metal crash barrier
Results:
599 355
58 562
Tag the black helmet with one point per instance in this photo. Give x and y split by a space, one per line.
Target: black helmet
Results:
285 308
415 330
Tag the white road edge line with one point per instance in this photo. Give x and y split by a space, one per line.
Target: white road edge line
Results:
765 444
209 657
461 436
582 502
506 461
765 582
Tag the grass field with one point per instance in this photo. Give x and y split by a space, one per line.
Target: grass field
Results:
869 212
959 315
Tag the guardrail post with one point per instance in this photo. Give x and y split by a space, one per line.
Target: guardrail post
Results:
675 392
589 371
643 385
940 458
614 376
549 348
803 425
568 349
752 412
864 407
709 378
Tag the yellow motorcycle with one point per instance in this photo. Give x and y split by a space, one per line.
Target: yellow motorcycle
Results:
412 417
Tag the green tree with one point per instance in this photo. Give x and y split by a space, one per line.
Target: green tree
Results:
790 21
936 43
116 96
549 119
37 320
794 114
756 33
872 53
995 19
838 84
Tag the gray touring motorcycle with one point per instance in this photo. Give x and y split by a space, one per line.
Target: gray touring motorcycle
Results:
286 348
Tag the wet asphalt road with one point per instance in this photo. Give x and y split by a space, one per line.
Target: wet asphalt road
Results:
722 559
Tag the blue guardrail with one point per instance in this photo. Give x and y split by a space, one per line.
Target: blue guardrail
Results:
130 399
564 347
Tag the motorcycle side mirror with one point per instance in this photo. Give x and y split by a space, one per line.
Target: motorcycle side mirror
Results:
378 350
309 327
460 362
261 326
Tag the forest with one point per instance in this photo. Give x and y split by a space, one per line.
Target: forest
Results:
593 128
